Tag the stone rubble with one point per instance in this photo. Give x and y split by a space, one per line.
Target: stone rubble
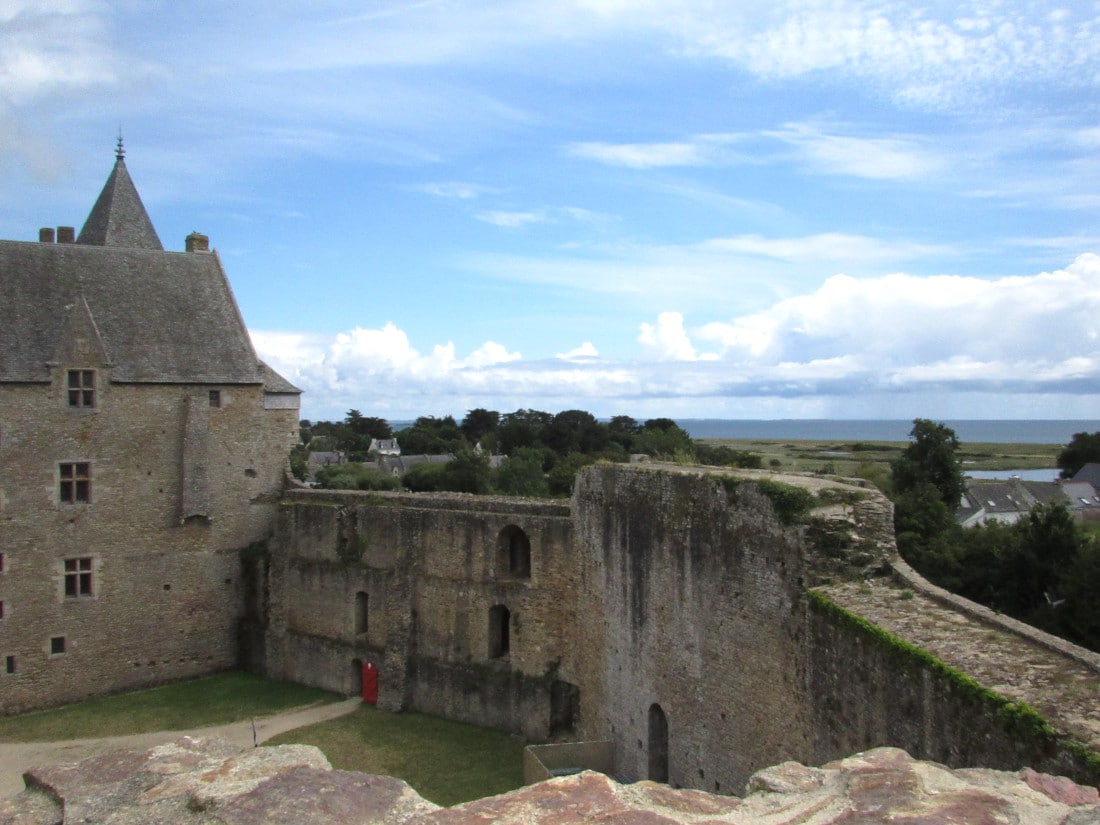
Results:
211 782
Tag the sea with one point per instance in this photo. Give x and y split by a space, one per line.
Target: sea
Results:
991 431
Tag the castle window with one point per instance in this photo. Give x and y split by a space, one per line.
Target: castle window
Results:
514 553
2 560
57 645
78 577
1 608
362 614
75 482
9 665
499 620
215 398
81 388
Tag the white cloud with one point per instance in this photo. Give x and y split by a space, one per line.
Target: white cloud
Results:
1032 341
893 158
511 220
641 155
455 189
667 340
584 352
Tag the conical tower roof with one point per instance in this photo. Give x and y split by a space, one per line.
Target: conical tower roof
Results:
119 217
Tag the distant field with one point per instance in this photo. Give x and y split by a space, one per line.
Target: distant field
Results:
214 700
870 459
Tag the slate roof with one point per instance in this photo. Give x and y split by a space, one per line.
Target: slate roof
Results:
119 217
162 317
1090 473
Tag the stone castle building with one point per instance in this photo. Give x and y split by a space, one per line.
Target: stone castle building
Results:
142 443
672 614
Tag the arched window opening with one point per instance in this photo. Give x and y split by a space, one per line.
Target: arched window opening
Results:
514 552
362 613
500 619
658 744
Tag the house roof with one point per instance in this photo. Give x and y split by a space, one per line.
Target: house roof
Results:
1090 473
158 317
119 217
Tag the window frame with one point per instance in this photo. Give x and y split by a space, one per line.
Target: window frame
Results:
80 388
79 577
74 482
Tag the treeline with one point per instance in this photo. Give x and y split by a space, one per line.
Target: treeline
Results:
540 452
1043 570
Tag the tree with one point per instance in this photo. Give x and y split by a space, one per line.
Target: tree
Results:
663 438
575 431
521 474
467 472
479 423
932 458
1083 448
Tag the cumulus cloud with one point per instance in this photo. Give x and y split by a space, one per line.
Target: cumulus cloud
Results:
667 340
852 340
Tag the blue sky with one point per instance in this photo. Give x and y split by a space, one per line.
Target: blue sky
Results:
827 208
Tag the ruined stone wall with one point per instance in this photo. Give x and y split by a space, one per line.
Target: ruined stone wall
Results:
164 596
432 569
692 601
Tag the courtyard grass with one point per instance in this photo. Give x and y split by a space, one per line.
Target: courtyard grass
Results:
214 700
445 762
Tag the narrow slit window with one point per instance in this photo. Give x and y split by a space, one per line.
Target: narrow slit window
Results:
81 388
75 482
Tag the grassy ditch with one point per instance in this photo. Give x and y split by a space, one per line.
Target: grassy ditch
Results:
446 762
213 700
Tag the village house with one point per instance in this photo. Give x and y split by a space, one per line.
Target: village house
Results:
142 445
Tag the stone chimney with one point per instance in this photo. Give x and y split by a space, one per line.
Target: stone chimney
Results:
66 234
197 242
45 234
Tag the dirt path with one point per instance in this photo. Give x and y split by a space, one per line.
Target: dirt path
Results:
15 758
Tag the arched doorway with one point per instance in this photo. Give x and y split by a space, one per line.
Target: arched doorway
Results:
658 744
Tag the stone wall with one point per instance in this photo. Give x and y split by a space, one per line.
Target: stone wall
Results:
694 605
164 596
430 571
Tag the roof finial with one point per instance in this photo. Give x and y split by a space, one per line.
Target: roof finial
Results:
120 153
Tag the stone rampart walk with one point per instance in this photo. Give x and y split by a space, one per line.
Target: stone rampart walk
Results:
17 757
1059 680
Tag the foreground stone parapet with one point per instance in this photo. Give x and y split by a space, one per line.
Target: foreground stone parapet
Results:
209 782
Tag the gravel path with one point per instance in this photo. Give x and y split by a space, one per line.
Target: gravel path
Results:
15 758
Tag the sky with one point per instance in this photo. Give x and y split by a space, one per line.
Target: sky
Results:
655 208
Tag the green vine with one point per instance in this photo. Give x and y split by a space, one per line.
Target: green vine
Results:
1017 718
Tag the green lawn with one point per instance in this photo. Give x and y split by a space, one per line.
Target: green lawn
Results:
446 762
214 700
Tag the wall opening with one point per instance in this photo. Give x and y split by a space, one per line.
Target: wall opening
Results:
356 677
514 553
362 613
500 619
658 744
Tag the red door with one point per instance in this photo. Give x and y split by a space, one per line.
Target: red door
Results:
370 683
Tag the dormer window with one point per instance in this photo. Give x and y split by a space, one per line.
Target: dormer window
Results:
81 388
